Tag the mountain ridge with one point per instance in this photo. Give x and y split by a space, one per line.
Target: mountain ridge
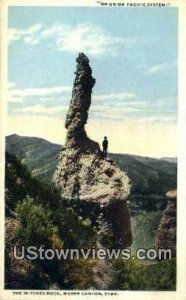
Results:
166 158
151 177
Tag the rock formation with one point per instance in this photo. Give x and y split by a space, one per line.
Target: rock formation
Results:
166 234
78 110
99 184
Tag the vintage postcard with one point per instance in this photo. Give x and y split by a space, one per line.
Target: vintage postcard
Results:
92 152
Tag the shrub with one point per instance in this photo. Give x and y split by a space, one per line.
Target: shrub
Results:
35 223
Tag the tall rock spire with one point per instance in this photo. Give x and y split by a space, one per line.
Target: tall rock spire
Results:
100 185
81 99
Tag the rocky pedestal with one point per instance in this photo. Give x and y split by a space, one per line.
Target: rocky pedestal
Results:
100 186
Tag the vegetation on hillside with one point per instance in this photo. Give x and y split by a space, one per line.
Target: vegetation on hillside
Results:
19 183
151 179
43 218
134 275
144 228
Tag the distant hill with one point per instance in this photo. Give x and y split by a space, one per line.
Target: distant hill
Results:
150 178
170 159
39 155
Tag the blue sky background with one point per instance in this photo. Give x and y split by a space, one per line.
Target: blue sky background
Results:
133 55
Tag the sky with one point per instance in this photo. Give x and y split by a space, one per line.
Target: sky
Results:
133 56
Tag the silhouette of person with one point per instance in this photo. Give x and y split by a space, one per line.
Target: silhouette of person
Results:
105 147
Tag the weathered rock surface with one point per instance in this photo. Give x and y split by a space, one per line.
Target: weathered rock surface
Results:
99 184
166 234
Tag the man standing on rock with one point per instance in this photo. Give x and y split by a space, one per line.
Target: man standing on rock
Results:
105 147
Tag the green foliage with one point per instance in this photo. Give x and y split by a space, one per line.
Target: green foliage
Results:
20 274
36 227
144 228
19 183
43 205
35 223
57 227
79 274
74 224
135 275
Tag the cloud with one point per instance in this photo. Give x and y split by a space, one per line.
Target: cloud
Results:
117 101
162 67
86 37
41 91
29 35
129 106
169 103
41 110
115 96
19 95
113 113
90 39
52 101
157 120
155 69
